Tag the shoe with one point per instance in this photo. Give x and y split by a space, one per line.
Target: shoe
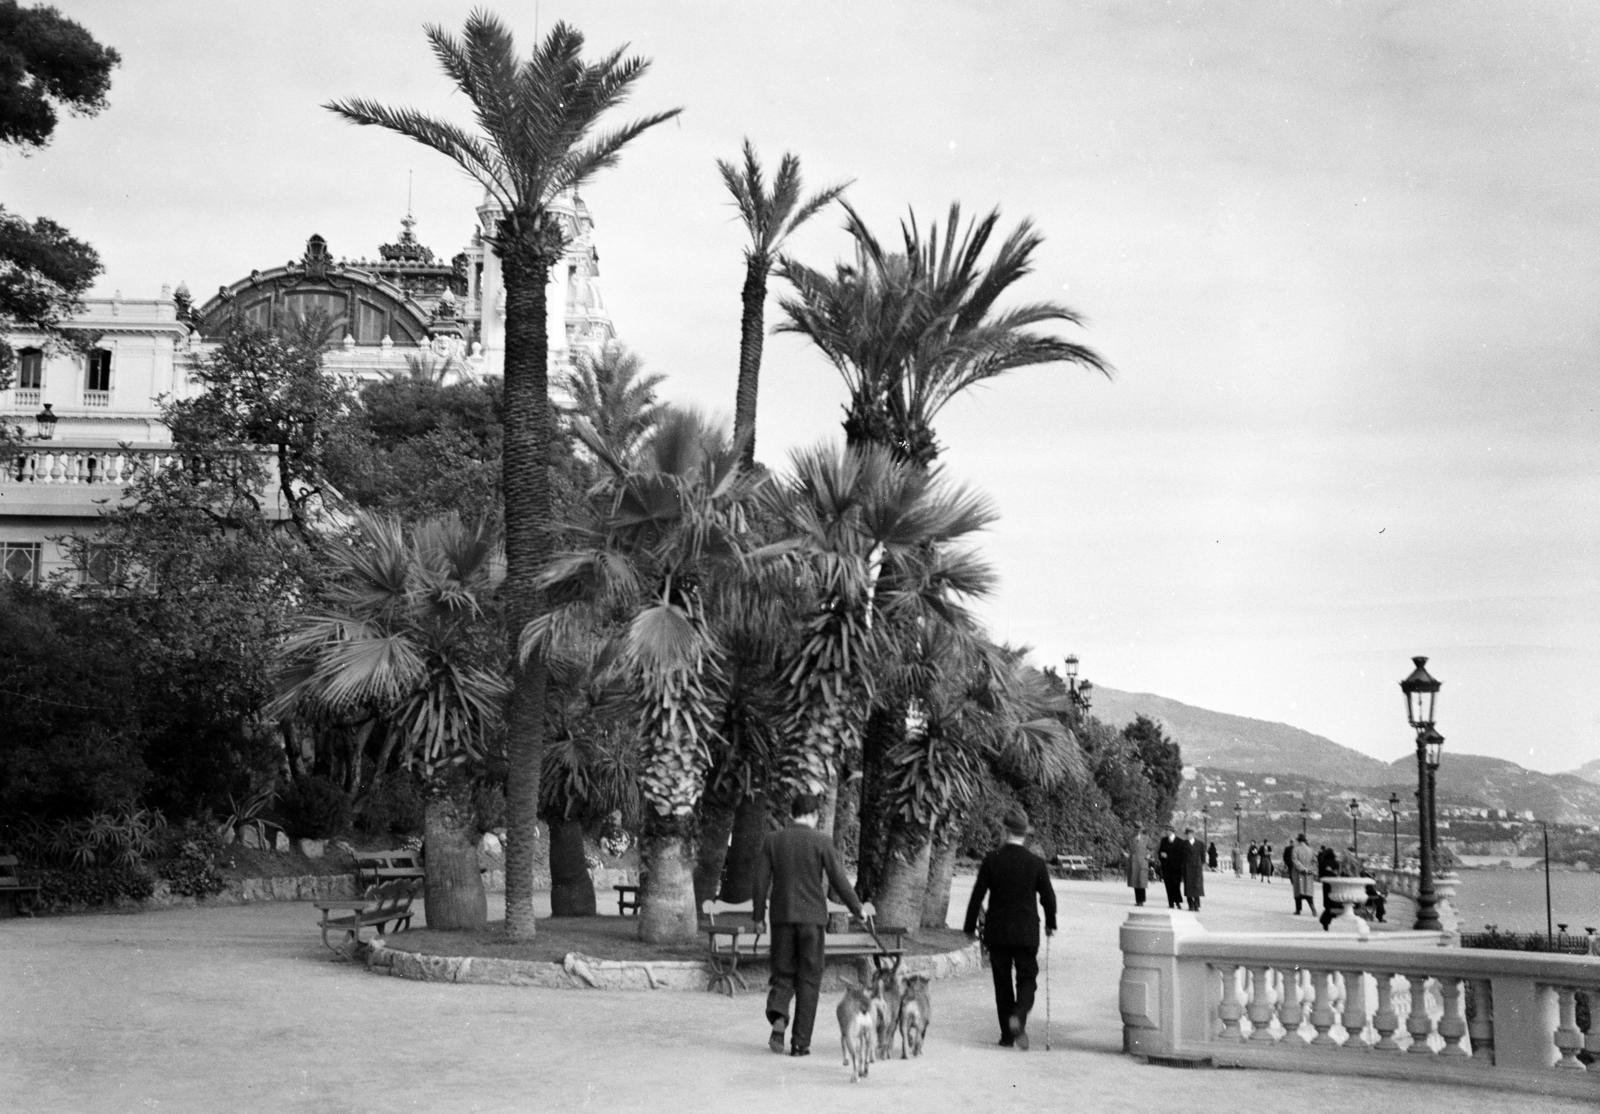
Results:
799 1051
1022 1041
775 1040
1007 1042
1019 1035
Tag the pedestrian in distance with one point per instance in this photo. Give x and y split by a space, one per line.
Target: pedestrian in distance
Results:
1266 862
1194 870
1304 879
1211 856
1255 860
1169 855
796 864
1138 859
1017 884
1238 861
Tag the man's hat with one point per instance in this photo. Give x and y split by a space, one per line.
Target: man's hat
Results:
1016 821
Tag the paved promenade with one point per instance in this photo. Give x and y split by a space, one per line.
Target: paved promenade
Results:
241 1009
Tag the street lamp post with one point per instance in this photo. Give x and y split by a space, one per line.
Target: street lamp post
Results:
1238 825
1077 691
1394 825
1422 692
1305 813
1205 825
45 422
1355 831
1549 937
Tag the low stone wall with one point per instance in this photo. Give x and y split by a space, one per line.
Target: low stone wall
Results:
582 972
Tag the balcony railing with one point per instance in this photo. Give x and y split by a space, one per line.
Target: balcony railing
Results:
1395 1005
96 400
83 466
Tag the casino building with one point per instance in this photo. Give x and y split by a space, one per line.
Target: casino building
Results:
91 417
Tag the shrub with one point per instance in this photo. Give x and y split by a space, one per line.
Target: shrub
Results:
95 886
189 859
314 808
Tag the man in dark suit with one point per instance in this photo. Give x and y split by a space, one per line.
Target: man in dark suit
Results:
798 863
1194 869
1169 856
1013 878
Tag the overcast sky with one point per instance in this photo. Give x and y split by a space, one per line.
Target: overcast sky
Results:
1344 257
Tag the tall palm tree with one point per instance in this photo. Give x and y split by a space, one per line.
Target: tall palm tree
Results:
653 561
405 640
769 216
911 329
536 138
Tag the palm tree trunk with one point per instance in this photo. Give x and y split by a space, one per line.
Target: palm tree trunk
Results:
453 895
941 872
571 885
750 826
751 326
526 259
716 826
905 879
666 909
884 727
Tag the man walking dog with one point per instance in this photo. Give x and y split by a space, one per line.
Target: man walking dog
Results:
797 863
1013 878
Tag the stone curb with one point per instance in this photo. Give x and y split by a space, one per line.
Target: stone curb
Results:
583 972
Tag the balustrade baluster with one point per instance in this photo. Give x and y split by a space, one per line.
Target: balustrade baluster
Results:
1568 1036
1322 1015
1261 1004
1453 1022
1354 1017
1418 1023
1385 1021
1228 1008
1480 1019
1591 1041
1290 1010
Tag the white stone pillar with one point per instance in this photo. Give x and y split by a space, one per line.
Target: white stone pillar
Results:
1163 1001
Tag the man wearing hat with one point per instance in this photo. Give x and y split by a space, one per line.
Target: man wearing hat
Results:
1013 878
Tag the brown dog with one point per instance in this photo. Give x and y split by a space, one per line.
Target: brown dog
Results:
885 1010
856 1034
915 1012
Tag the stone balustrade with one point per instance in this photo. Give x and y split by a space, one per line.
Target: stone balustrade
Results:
1392 1005
72 465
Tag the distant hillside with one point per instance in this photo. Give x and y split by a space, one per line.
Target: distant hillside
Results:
1222 741
1258 758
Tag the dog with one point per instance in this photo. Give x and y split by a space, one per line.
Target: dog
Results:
915 1012
856 1033
885 1010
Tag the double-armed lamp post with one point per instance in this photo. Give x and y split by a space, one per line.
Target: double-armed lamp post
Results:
1422 693
1077 691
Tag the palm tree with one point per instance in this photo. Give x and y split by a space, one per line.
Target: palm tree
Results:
910 330
612 393
870 538
652 565
769 217
972 710
404 641
536 138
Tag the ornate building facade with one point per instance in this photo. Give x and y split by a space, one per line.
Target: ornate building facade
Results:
91 415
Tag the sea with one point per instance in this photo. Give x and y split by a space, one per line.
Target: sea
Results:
1514 900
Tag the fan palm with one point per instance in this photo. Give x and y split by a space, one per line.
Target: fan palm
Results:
770 217
536 138
405 641
909 330
651 562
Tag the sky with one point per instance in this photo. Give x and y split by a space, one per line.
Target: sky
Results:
1344 258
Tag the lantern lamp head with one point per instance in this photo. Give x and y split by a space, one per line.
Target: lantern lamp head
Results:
1421 693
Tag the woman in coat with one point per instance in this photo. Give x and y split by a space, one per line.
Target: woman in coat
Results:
1138 864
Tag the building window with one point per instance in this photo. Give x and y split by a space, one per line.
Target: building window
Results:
97 567
30 369
19 561
99 370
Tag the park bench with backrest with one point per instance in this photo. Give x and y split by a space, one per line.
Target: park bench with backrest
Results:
387 903
731 935
13 889
1074 866
373 867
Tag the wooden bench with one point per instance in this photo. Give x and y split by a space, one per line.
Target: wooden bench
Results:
373 867
730 938
1074 866
11 886
384 904
627 900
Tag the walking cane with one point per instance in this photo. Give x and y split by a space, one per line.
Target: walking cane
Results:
1047 939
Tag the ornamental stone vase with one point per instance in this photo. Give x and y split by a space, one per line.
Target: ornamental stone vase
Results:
1348 893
